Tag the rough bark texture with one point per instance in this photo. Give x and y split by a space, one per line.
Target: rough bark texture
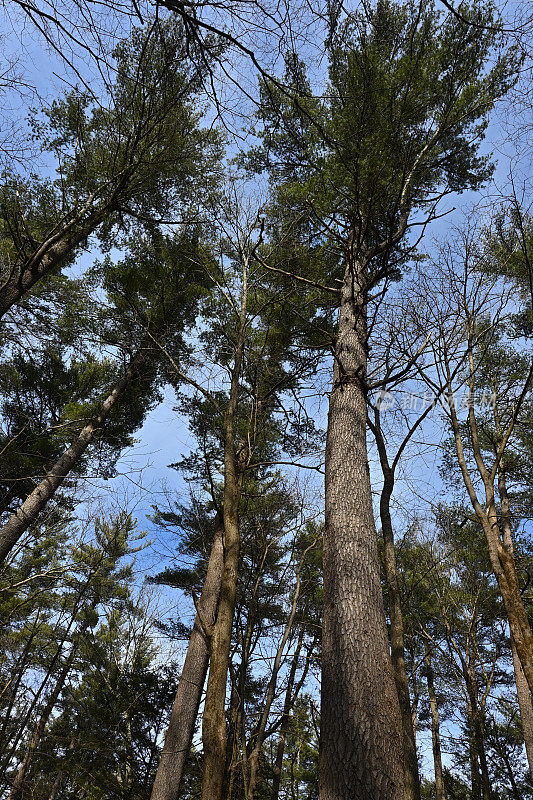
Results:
525 706
361 754
28 512
440 793
396 634
214 732
187 701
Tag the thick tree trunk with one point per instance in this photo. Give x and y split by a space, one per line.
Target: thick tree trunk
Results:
30 509
440 793
504 567
214 719
20 778
361 754
187 701
396 632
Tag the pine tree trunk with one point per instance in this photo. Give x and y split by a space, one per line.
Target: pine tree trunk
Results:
475 775
214 733
187 701
479 735
440 793
361 754
28 512
525 706
396 633
56 249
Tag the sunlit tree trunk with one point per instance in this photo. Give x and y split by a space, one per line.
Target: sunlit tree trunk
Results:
187 701
361 754
27 514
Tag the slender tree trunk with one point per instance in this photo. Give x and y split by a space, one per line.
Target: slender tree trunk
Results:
499 548
479 734
253 758
49 672
187 701
30 509
361 754
512 781
233 739
21 669
475 775
214 733
396 632
20 779
56 787
287 705
440 793
54 791
56 249
522 689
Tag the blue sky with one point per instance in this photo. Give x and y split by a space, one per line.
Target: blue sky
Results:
143 475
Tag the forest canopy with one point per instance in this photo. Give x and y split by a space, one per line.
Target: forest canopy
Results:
266 300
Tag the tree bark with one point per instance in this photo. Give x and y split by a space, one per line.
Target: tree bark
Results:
187 701
361 754
28 512
56 249
396 632
522 689
214 733
440 793
475 775
525 706
499 548
478 733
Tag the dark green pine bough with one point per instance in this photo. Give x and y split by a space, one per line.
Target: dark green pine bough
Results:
398 129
